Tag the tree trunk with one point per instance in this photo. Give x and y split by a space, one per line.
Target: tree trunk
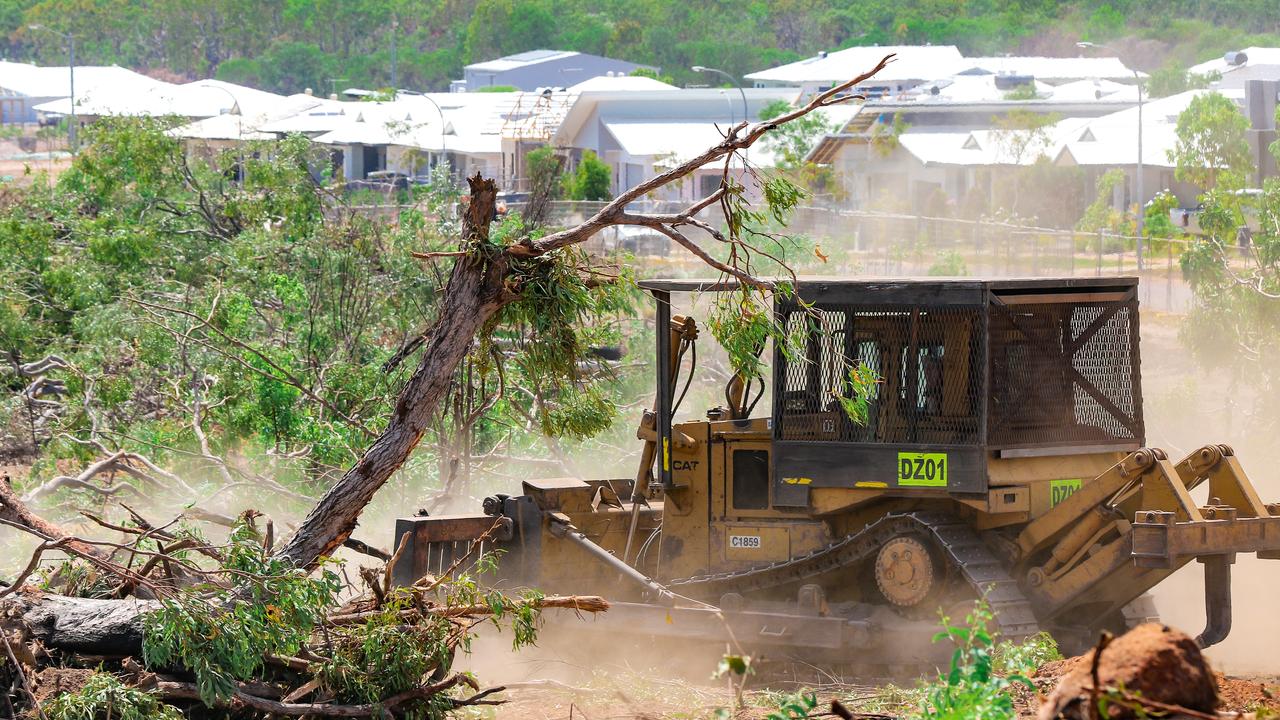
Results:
474 293
82 625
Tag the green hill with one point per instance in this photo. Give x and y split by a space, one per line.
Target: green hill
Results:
286 45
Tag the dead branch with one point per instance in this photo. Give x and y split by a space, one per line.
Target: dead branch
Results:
14 512
156 311
583 603
241 700
739 137
22 676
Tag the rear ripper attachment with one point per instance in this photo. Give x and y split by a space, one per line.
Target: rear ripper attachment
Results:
1001 455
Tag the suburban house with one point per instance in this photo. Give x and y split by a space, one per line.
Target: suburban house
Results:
194 100
537 69
470 132
24 86
912 65
640 133
946 135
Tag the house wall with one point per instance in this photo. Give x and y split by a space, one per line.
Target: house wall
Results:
561 72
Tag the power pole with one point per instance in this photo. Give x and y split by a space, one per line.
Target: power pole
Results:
395 82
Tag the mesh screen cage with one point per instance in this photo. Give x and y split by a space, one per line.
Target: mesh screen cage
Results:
995 364
1064 370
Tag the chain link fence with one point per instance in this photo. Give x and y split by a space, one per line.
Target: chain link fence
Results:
905 245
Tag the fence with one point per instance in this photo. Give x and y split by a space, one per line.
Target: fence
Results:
871 243
889 244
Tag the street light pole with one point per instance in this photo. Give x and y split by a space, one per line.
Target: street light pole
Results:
1137 181
444 153
395 83
71 66
746 114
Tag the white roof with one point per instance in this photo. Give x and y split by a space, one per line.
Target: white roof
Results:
1051 68
1086 90
671 143
967 89
620 83
1112 140
474 123
326 115
524 59
203 98
913 62
1254 55
55 81
247 126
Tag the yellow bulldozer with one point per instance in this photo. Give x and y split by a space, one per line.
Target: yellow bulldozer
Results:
999 454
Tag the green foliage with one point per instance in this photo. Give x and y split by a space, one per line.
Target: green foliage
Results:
885 136
1157 222
384 656
591 179
742 323
1010 658
653 74
1173 78
221 634
552 326
496 89
793 706
104 697
949 263
1101 214
545 171
1212 150
1025 91
856 392
972 687
351 40
790 143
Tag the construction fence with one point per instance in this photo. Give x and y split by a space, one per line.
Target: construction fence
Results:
904 245
867 243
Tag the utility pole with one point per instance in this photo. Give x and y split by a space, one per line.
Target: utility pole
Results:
71 67
746 114
395 81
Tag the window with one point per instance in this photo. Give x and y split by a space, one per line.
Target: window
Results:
750 479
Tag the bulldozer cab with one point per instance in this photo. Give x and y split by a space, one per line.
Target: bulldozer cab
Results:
966 372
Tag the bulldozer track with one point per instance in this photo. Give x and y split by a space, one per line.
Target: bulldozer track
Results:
965 551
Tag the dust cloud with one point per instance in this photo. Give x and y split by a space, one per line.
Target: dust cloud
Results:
1188 406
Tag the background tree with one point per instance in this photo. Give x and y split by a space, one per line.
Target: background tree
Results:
592 178
1234 269
1211 151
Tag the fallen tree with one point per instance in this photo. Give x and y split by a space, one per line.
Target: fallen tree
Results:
253 625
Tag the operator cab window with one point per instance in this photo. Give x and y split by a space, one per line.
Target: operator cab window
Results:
750 479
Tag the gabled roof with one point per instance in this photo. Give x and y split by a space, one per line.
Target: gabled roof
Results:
913 62
620 83
1050 68
519 60
23 79
247 125
671 143
203 98
1112 140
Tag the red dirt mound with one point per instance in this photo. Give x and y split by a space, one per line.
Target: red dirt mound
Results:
1151 661
1245 695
